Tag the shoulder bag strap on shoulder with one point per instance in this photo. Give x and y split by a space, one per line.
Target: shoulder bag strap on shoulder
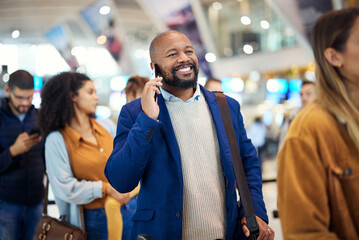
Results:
238 166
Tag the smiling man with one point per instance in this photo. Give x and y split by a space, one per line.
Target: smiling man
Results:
21 160
176 146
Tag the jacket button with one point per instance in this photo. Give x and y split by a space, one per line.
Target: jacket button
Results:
348 171
178 214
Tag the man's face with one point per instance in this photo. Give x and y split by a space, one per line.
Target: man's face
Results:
307 94
20 99
176 61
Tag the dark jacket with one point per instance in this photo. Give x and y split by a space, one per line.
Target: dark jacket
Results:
21 177
147 150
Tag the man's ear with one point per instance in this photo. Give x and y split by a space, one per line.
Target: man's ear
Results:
152 65
333 57
7 90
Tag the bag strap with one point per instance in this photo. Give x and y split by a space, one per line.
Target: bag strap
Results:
241 180
46 194
46 201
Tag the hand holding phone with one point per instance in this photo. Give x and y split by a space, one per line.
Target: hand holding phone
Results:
35 130
25 141
149 98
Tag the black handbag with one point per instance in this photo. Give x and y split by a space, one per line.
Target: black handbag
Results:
53 228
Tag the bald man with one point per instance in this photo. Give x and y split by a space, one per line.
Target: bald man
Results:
172 139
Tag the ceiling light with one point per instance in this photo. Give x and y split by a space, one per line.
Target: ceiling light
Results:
6 77
104 10
217 5
247 49
15 34
102 39
210 57
265 24
245 20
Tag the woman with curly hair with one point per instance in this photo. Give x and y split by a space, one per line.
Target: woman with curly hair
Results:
68 101
318 174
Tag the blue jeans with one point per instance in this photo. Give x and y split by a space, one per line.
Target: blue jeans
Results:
96 224
127 211
19 221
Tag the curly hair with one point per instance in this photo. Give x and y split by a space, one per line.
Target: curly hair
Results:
56 103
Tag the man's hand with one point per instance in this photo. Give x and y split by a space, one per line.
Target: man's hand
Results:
265 232
23 143
148 102
123 198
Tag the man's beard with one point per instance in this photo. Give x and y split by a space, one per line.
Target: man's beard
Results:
17 109
178 82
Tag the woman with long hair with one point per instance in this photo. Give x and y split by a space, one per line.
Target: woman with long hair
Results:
318 174
68 101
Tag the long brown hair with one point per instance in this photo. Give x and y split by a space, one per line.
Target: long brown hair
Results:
332 30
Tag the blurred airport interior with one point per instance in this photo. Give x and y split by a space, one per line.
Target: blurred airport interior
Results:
259 49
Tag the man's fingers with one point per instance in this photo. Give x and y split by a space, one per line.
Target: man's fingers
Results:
155 89
245 230
152 86
31 141
267 234
23 135
155 82
157 79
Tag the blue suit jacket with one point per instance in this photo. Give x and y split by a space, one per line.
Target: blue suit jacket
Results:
147 150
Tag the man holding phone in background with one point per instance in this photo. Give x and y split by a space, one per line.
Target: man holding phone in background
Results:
21 160
176 145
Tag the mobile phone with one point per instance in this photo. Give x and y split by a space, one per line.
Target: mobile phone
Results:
35 130
157 74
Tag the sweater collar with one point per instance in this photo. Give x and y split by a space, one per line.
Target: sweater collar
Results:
171 98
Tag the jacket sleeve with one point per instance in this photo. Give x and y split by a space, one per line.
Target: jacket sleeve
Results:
64 185
251 167
302 192
5 159
131 150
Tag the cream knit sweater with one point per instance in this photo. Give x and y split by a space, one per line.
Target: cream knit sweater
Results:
204 208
